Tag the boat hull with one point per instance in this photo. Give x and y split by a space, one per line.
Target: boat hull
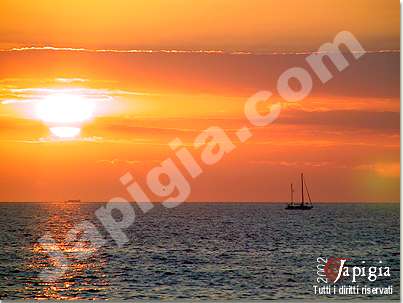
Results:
299 207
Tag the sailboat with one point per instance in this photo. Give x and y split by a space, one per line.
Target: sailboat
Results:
303 205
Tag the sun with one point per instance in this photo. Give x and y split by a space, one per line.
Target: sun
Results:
64 114
65 131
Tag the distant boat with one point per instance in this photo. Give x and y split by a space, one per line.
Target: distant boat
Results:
303 205
72 201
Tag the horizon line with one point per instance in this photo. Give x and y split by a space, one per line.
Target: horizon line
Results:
216 202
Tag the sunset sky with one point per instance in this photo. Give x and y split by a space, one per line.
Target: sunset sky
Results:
147 72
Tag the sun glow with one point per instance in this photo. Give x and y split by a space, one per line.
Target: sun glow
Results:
65 109
65 131
64 114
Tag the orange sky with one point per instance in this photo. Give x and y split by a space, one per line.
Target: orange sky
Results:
344 135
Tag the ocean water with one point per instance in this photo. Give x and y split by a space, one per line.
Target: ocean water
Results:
198 251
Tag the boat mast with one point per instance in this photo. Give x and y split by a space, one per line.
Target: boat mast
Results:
302 189
292 194
307 191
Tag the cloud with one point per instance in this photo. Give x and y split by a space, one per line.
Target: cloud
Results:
34 94
343 119
294 163
173 51
29 95
383 169
390 169
119 161
376 74
71 80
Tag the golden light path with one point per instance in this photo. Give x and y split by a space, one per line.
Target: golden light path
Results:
64 113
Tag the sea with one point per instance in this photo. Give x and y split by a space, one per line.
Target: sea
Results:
199 251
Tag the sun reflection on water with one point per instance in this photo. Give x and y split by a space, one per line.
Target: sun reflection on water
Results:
82 277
